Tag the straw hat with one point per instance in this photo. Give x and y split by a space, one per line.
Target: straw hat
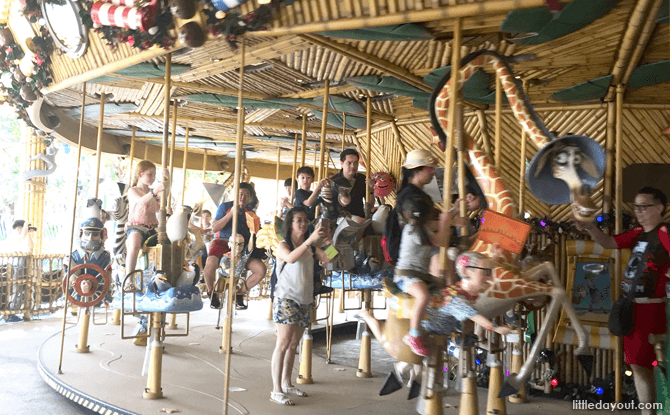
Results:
419 158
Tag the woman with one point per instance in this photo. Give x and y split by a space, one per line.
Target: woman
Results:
294 296
143 203
424 229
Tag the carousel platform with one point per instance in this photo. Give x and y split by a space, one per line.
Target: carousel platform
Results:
108 380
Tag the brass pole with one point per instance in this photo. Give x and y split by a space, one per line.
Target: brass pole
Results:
498 117
153 389
303 136
618 204
295 168
324 123
344 129
451 117
172 146
236 206
101 119
368 157
74 213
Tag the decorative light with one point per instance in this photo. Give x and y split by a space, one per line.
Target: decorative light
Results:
478 362
599 390
554 382
628 373
507 373
599 218
654 363
543 223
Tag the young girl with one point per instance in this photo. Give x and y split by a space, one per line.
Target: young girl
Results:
294 296
424 230
143 203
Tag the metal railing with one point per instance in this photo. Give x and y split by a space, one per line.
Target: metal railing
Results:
30 284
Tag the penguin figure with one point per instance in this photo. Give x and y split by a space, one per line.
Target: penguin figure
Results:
177 224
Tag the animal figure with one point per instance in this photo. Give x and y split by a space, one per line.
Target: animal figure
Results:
177 224
330 207
384 184
49 159
119 213
576 163
508 285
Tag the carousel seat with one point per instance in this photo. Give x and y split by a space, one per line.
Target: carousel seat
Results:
350 281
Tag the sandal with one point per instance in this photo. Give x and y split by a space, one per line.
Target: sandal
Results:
280 398
293 391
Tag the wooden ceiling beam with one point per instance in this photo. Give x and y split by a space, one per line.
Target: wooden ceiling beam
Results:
369 60
318 92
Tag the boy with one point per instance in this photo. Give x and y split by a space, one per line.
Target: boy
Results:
304 196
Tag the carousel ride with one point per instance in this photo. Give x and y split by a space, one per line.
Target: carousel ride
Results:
565 170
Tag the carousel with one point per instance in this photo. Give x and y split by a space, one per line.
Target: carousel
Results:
550 113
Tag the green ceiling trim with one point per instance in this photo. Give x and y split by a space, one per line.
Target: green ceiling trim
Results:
574 16
229 101
145 70
151 134
335 120
650 74
387 84
402 32
477 89
663 13
589 90
341 104
93 110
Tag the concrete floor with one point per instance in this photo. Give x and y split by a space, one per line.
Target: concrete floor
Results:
194 371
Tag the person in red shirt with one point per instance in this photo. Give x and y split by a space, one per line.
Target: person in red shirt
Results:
649 262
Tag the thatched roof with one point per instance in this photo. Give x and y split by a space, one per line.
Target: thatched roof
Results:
293 59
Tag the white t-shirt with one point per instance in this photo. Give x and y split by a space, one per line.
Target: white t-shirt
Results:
296 281
414 254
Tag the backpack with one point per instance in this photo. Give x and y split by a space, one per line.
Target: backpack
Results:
391 237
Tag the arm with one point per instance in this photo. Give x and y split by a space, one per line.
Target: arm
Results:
488 324
290 257
315 194
219 224
606 241
440 230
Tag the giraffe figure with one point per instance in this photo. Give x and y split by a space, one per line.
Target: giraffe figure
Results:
576 163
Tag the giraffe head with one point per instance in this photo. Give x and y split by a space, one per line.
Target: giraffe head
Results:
567 170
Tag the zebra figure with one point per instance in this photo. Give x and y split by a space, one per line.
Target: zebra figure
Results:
120 214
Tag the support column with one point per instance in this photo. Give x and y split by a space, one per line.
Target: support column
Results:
31 197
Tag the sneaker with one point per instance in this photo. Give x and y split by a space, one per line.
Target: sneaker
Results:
417 345
239 303
214 301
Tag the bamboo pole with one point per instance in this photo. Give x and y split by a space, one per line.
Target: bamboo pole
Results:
398 138
522 167
451 117
344 130
498 117
74 214
277 177
643 39
618 227
368 158
98 153
132 154
183 166
303 136
172 145
238 171
162 235
453 11
609 156
459 138
324 123
483 126
195 87
295 168
146 151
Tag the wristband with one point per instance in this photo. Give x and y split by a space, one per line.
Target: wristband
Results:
154 195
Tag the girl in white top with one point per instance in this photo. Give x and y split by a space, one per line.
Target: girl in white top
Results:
294 295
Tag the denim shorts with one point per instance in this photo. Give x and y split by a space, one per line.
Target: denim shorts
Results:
404 282
144 231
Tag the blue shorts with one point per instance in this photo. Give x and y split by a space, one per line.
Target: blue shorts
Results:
285 311
404 282
145 231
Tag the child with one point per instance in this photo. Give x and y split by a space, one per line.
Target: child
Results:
143 203
304 196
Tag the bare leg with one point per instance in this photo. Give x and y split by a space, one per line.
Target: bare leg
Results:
289 357
258 270
210 270
646 386
133 245
419 291
284 337
373 323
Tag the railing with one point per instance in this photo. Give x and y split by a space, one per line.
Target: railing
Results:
30 284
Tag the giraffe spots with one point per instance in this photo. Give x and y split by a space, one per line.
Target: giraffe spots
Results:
505 285
516 292
512 101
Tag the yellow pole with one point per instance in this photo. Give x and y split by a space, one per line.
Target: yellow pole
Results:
132 154
522 167
303 136
451 117
609 156
172 146
183 166
498 117
231 287
277 177
324 123
153 389
295 168
618 227
204 171
146 150
368 158
98 152
344 129
74 212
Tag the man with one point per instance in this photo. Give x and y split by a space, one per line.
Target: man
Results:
355 202
649 264
22 239
223 227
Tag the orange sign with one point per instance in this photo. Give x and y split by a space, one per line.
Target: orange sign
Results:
253 221
510 233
